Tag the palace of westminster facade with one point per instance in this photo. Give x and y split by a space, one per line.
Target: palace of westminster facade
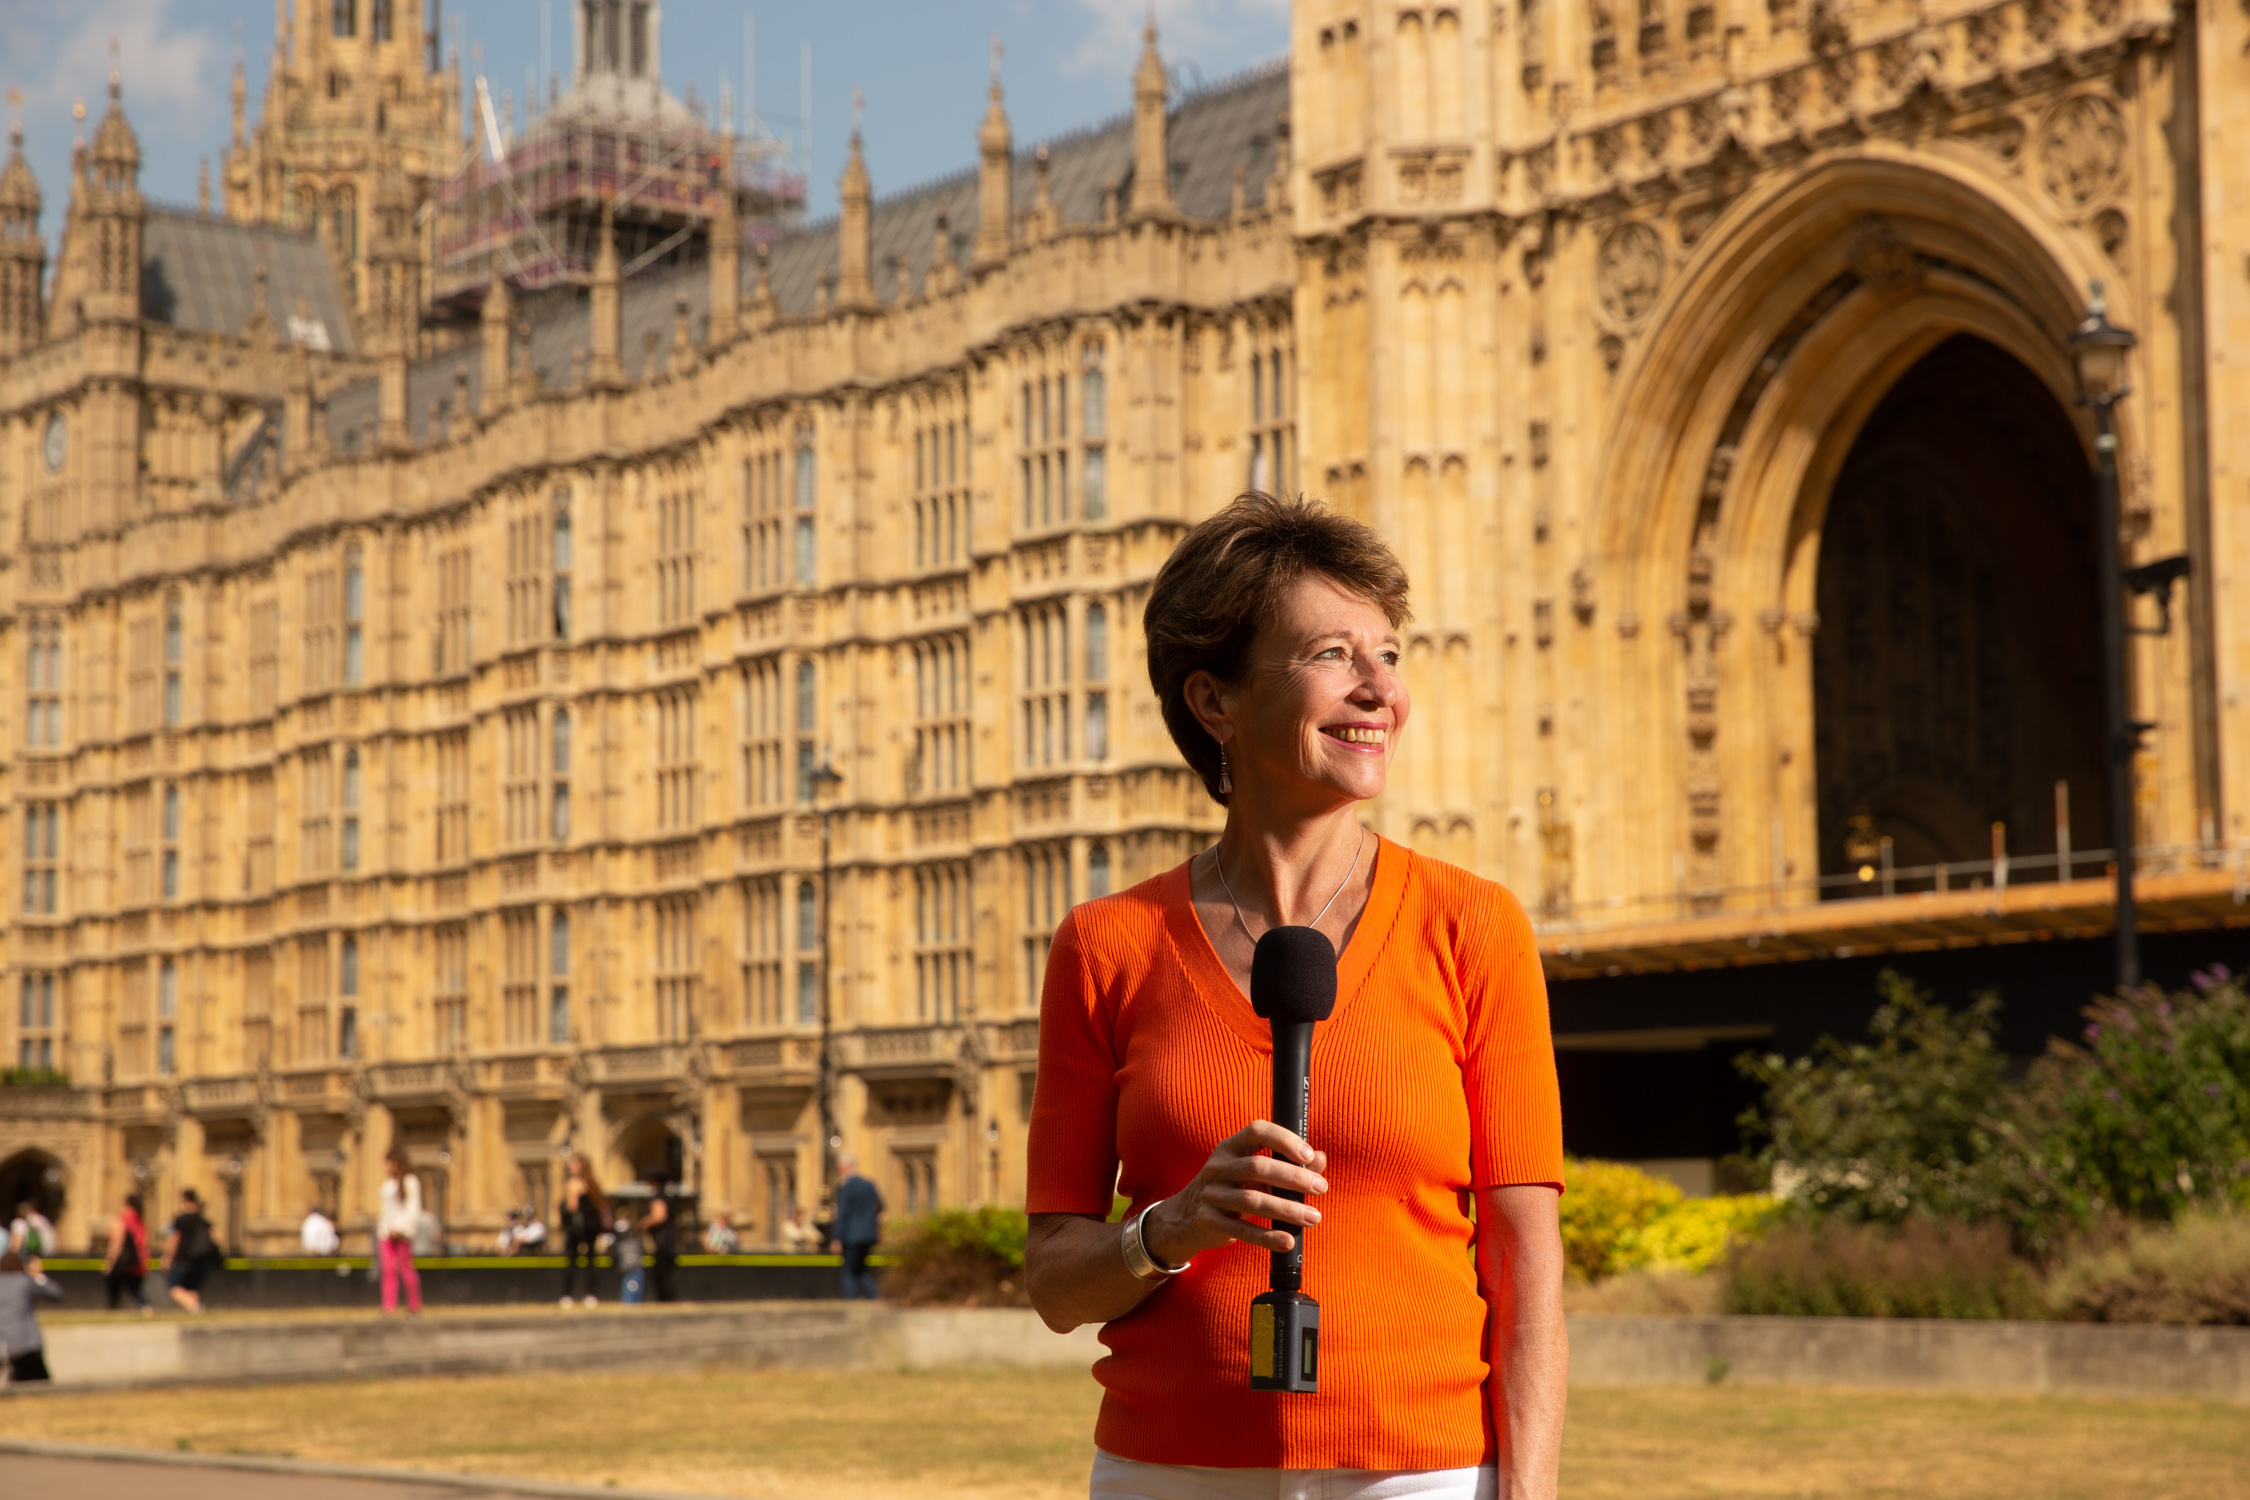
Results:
434 726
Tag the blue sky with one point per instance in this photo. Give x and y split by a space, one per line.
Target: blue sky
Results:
921 67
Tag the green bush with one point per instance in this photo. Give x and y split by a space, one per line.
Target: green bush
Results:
1617 1218
2149 1114
961 1257
1915 1270
34 1078
1908 1123
2195 1271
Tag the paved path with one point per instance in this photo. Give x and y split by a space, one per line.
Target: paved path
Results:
97 1474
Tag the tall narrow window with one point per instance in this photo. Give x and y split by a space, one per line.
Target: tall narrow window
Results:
355 617
350 842
808 723
563 564
41 840
35 1024
379 20
559 794
808 917
519 984
449 1003
175 651
170 828
808 547
675 562
808 993
677 767
167 1016
1097 872
452 752
1272 434
344 17
449 645
1097 642
558 974
676 969
43 683
1093 391
347 994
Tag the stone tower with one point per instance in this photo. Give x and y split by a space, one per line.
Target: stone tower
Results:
23 253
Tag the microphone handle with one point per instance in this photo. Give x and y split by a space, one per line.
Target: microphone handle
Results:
1292 1104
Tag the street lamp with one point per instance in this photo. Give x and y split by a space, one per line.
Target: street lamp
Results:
824 779
2099 347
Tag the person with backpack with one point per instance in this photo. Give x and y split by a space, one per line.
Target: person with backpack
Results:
21 1290
125 1263
585 1219
398 1219
191 1253
32 1235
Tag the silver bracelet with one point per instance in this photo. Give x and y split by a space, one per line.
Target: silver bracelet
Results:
1137 1259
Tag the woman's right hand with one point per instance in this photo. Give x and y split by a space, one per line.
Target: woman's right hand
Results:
1238 1183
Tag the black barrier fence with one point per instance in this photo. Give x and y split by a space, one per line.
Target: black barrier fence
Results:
464 1281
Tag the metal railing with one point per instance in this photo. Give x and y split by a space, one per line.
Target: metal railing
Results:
1878 878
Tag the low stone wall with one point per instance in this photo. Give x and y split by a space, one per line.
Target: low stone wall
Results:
800 1335
1914 1353
2073 1358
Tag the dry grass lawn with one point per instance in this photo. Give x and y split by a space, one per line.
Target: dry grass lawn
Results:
966 1435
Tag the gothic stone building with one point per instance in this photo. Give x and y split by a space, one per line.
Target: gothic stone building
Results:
519 738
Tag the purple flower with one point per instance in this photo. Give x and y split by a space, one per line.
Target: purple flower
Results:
2114 1096
2164 1010
2202 979
2093 1031
2213 1090
2220 973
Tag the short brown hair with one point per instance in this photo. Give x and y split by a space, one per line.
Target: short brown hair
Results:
1225 579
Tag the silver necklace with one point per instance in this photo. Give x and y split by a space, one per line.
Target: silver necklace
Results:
1219 865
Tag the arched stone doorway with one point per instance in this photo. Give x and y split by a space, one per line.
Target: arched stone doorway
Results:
36 1178
651 1148
1957 667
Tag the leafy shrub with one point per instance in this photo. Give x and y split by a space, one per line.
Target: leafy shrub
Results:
1905 1124
34 1078
1915 1270
961 1257
2195 1271
1617 1218
2149 1115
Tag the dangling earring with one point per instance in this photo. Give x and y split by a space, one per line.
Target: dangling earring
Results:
1226 780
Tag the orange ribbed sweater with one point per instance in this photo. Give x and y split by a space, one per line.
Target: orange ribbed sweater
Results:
1434 1077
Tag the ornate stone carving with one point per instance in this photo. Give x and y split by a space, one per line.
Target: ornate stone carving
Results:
1629 271
2110 228
2082 150
2003 137
1880 258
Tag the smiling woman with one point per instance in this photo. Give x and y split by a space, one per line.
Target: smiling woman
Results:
1273 647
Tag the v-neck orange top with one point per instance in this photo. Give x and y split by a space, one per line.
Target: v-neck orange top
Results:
1435 1076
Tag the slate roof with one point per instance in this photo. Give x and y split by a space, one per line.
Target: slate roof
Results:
201 274
1208 134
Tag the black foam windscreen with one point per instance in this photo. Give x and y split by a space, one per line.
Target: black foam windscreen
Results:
1293 975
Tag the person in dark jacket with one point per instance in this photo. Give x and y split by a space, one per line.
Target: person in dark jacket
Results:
21 1289
191 1253
662 1226
585 1219
859 1224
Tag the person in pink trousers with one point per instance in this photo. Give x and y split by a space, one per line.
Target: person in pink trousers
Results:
399 1214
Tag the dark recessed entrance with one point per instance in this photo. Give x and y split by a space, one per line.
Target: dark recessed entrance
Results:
1956 674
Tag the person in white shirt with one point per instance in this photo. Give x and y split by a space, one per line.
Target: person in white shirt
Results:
319 1236
398 1218
720 1238
531 1234
505 1242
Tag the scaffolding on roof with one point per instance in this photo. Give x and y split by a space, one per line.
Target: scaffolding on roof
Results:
536 202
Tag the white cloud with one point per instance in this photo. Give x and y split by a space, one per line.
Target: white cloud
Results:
168 63
1186 30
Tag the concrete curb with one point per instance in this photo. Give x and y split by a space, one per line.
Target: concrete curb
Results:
481 1484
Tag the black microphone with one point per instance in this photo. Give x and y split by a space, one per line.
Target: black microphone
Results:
1292 985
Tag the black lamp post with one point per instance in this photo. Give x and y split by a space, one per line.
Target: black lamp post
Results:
2100 346
824 780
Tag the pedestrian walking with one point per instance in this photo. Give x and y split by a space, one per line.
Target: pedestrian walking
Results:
663 1229
191 1253
859 1224
22 1288
625 1250
584 1218
125 1261
398 1218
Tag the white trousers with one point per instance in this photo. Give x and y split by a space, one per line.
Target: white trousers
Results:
1123 1479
